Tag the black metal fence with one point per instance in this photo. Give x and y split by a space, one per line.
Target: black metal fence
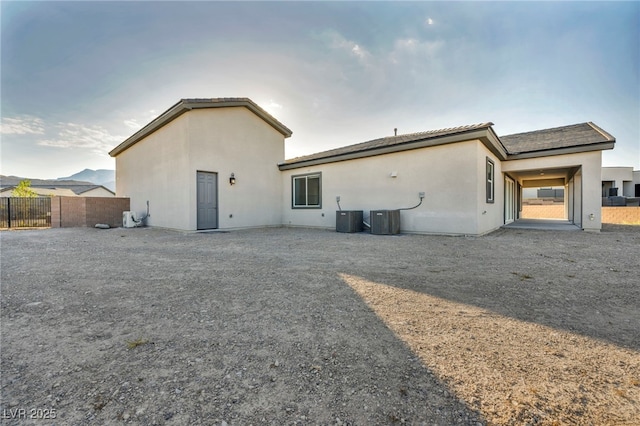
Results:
25 212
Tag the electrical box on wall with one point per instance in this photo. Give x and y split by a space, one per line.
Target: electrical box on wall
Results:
385 222
349 221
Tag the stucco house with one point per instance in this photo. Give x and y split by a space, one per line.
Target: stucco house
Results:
620 181
219 164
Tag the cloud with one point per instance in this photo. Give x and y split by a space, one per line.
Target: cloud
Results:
410 50
274 105
339 42
414 46
73 135
359 52
24 125
132 124
429 21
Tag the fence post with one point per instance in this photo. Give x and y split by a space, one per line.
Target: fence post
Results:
9 212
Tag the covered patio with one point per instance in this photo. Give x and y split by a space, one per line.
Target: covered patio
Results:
569 156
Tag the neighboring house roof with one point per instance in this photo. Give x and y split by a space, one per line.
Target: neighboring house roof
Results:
185 105
81 189
482 131
566 139
41 192
561 140
60 189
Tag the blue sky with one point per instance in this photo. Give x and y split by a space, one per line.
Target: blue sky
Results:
77 78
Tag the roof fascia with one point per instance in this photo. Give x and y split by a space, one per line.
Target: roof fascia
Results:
184 106
487 137
598 129
601 146
493 143
169 115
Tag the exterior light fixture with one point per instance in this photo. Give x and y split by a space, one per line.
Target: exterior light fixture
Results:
232 179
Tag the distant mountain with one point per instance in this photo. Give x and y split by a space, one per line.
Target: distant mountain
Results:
104 177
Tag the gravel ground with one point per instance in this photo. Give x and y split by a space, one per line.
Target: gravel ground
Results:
299 326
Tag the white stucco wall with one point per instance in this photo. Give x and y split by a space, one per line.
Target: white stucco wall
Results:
234 140
162 169
155 170
586 192
452 177
490 216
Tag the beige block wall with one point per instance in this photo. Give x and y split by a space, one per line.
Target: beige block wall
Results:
162 169
621 215
448 175
544 211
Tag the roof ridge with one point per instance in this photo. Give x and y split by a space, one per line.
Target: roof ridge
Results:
446 129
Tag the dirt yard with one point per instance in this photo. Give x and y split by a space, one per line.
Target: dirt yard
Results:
298 326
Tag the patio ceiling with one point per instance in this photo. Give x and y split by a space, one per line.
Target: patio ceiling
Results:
535 178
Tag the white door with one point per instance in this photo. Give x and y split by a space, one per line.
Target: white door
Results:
509 200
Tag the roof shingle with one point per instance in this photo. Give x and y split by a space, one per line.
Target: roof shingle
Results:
576 135
390 141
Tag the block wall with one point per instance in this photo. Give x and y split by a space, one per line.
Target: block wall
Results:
72 212
543 211
621 215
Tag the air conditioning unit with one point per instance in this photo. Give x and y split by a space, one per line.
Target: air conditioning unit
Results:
385 222
128 220
349 221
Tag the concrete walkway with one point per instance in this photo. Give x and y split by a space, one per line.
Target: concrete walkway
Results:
544 224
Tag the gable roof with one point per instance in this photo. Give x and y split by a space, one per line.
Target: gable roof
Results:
185 105
482 131
558 140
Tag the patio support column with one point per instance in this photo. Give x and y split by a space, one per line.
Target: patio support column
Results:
591 193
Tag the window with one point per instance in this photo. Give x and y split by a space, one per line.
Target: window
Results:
307 191
490 180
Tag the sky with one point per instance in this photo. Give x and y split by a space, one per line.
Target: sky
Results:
78 78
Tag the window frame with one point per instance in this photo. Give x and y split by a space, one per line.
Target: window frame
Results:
490 180
306 177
